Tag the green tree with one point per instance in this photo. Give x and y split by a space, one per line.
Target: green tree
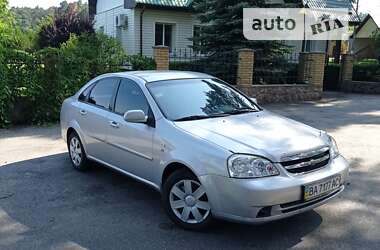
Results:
68 19
7 41
29 18
7 37
222 26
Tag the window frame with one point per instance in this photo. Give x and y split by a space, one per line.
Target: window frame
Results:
93 85
151 118
117 92
173 25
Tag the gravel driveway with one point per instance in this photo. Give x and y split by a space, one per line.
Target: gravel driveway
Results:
45 204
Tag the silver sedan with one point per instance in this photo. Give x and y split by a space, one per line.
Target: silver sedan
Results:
210 151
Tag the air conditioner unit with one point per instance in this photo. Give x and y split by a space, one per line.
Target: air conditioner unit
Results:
121 20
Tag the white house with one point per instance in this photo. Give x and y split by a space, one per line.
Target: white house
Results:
364 42
139 25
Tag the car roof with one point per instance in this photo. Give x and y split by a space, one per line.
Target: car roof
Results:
154 76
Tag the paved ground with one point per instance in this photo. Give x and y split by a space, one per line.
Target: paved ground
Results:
45 204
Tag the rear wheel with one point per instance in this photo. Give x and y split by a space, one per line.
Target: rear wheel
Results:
186 202
77 153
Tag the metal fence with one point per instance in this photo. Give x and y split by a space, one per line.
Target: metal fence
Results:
275 69
222 64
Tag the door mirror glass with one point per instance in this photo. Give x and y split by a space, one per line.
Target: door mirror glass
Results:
135 116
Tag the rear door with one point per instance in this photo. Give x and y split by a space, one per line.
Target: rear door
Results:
132 143
94 111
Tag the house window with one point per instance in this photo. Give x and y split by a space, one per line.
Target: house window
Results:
164 34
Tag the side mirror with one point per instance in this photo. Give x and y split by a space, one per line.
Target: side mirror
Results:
254 100
135 116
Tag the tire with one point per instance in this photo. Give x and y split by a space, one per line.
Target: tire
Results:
185 201
77 154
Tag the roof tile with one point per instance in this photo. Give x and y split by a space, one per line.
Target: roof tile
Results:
167 3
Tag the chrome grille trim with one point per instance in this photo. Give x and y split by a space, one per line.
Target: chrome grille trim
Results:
308 163
304 155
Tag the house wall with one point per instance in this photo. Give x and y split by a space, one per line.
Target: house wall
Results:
363 44
106 19
183 28
129 37
105 5
368 30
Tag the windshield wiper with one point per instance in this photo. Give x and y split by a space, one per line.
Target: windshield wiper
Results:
199 117
241 111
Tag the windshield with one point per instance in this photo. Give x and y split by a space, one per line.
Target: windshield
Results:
194 99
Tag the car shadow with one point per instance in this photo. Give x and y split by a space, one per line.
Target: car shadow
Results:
46 203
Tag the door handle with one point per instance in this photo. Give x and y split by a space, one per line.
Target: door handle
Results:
114 124
83 112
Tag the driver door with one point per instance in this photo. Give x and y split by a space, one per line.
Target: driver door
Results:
132 143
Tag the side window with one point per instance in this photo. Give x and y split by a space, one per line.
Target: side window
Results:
130 97
102 93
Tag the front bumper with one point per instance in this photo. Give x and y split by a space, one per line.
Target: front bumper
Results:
267 199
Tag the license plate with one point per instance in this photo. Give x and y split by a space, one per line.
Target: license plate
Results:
321 188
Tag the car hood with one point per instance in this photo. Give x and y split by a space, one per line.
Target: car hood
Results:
262 133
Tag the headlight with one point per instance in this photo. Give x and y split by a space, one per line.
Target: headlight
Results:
334 151
249 166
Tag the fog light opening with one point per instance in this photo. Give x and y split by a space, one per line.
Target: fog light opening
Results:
264 212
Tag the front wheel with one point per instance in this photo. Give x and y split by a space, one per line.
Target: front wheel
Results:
77 154
186 202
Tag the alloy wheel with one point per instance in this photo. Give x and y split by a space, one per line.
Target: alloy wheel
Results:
75 151
189 202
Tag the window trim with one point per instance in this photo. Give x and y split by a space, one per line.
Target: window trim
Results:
151 118
92 86
174 32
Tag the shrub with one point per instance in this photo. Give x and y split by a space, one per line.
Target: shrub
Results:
367 70
139 62
34 85
16 78
90 55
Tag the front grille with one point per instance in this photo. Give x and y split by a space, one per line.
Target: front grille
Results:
307 162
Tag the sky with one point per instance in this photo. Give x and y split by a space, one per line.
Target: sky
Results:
372 7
